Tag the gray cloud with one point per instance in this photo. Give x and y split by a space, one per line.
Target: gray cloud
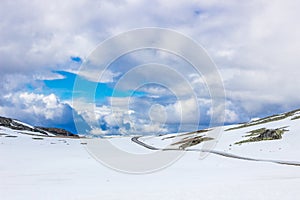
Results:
254 43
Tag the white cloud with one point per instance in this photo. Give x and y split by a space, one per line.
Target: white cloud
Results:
184 111
96 75
48 76
36 109
254 43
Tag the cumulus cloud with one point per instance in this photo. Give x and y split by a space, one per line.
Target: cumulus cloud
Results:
257 54
254 43
229 115
134 115
37 109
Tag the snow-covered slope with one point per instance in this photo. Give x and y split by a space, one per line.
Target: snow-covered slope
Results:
43 167
284 148
24 128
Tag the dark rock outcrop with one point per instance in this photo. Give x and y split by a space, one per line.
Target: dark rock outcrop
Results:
271 134
264 134
59 132
12 124
7 122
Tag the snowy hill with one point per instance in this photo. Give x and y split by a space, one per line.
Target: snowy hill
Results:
255 160
23 128
250 140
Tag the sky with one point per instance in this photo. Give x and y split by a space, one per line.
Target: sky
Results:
43 45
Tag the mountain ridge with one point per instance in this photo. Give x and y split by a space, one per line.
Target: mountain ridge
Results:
17 125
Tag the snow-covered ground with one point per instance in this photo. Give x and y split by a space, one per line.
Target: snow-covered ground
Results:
36 167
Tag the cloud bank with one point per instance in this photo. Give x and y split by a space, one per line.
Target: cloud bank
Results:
254 44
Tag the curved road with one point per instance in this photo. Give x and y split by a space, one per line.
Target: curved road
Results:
228 155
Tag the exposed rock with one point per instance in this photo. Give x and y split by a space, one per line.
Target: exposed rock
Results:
192 141
59 132
271 134
264 134
7 122
10 123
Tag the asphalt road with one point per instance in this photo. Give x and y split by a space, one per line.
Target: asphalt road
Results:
220 153
136 140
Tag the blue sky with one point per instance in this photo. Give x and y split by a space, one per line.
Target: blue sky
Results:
254 44
64 87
